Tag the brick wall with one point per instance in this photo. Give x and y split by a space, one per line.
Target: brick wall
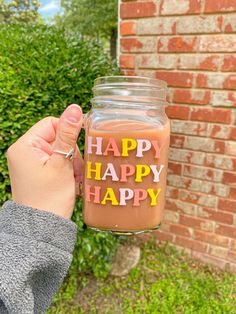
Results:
191 44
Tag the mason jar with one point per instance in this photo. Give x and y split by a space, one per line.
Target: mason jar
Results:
127 136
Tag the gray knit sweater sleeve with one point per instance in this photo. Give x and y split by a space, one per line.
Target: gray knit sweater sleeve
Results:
35 253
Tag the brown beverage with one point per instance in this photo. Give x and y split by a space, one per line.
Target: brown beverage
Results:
125 192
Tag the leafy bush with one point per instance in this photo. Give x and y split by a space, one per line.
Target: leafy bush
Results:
41 72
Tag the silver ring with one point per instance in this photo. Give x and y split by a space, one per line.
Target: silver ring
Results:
69 155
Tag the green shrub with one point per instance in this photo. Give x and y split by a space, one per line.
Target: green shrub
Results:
41 72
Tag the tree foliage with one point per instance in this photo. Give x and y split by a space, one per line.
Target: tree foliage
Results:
19 11
91 18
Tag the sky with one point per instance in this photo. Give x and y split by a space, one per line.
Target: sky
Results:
49 8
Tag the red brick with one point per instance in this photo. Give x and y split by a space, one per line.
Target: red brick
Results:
175 168
211 238
190 127
196 222
229 178
212 6
170 7
157 26
232 98
227 205
163 236
209 63
231 256
199 24
177 140
199 144
178 44
127 28
223 98
169 96
172 192
144 44
211 80
155 61
171 216
180 207
179 79
128 72
137 9
130 44
178 112
201 80
206 187
230 148
229 23
211 115
218 216
203 173
177 181
234 118
228 231
232 193
232 135
204 144
180 230
196 97
208 259
229 63
146 73
198 62
218 43
191 244
218 251
219 147
233 244
215 130
220 20
181 155
228 28
170 204
127 61
220 131
230 82
222 217
221 162
217 81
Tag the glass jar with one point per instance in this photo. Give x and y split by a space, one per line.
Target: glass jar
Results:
127 136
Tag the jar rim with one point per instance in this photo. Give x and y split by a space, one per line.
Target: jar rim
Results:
119 80
129 103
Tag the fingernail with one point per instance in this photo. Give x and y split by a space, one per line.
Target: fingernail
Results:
73 113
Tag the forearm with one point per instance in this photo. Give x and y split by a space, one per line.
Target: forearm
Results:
35 253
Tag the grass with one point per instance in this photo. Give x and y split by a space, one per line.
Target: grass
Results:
166 281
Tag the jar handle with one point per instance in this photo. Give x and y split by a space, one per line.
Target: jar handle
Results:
85 115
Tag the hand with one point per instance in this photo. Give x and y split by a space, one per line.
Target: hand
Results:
41 178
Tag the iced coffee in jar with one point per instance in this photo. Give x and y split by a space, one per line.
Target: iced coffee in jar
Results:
126 155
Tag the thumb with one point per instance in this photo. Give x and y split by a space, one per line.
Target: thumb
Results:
67 132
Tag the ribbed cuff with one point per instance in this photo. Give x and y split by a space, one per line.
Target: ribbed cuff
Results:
39 225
